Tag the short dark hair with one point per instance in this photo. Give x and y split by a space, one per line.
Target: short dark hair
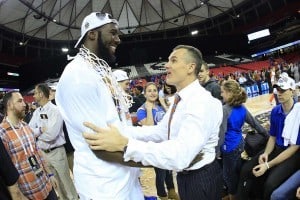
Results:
44 89
205 66
139 88
195 54
7 97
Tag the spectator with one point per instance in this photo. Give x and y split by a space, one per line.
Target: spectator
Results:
168 96
280 158
149 114
19 141
123 81
289 189
235 114
210 84
138 98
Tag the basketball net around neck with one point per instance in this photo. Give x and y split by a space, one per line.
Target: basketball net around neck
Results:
122 100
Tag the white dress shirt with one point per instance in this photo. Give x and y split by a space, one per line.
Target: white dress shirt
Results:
48 116
82 96
194 128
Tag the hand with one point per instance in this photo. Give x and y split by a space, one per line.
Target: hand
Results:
259 170
108 139
53 182
149 105
162 100
165 104
43 129
263 158
298 193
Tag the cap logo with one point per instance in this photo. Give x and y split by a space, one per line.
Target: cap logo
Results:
283 80
102 16
86 26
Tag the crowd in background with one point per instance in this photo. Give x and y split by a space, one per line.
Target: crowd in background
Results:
151 97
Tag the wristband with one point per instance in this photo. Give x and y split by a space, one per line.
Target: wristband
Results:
49 175
266 163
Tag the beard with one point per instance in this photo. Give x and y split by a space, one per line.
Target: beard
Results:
104 52
19 114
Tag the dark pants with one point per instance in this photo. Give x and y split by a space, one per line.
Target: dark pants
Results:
203 183
163 176
52 195
250 186
232 164
259 87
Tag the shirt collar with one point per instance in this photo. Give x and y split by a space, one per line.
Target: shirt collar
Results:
187 92
46 106
281 111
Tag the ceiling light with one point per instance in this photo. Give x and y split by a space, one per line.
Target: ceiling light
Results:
195 32
12 74
54 20
23 43
64 49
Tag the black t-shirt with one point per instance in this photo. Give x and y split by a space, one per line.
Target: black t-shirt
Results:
8 173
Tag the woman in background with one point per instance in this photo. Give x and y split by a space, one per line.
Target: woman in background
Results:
235 114
168 96
150 113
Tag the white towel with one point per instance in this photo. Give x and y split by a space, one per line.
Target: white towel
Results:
291 126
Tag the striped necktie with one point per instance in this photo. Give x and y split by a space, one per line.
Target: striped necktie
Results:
176 100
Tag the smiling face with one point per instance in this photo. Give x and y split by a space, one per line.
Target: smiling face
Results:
151 93
108 40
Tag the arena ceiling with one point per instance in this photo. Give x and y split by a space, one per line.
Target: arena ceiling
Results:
61 19
29 27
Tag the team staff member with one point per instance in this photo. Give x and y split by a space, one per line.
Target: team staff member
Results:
194 129
48 125
19 141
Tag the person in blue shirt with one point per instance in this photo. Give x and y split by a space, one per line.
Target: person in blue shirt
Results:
150 113
235 114
289 189
281 156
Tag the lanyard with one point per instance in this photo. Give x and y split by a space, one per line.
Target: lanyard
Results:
22 127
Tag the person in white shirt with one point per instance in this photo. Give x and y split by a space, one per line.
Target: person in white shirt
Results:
124 82
193 132
87 90
47 124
